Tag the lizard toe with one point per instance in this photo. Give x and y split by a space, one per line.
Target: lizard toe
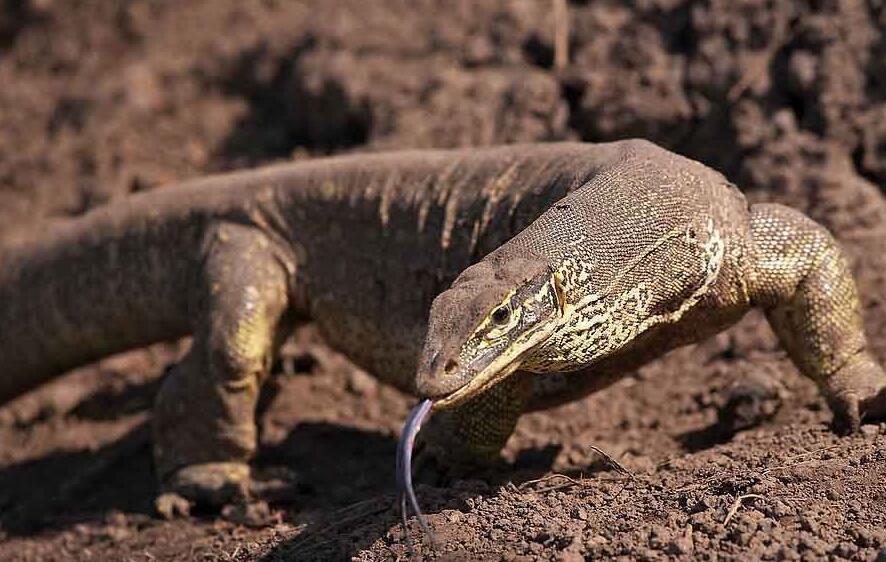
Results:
170 506
847 415
206 485
856 394
255 514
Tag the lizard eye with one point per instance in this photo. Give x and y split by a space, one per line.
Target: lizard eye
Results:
501 315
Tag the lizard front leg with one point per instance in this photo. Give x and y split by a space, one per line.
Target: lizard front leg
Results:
801 279
204 426
470 437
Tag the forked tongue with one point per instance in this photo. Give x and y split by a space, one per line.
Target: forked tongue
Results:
405 492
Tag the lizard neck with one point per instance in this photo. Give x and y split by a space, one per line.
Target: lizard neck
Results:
379 237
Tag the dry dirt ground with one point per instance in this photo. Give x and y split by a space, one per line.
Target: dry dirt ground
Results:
728 450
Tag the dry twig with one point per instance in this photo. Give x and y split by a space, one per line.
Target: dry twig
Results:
612 462
737 503
570 481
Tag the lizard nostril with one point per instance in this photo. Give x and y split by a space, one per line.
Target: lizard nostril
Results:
450 366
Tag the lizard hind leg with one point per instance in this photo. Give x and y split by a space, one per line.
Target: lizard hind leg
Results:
801 279
204 416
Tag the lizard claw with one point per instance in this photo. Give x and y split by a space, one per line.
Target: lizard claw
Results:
212 485
170 506
847 414
856 394
255 514
226 487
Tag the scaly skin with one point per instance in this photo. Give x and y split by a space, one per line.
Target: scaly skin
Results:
647 251
654 252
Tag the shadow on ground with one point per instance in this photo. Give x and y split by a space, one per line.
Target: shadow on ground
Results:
341 533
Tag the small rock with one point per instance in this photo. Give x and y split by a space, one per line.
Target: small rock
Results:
682 544
658 537
143 89
813 544
362 384
844 550
749 403
570 555
779 509
803 69
707 502
117 528
478 50
785 121
741 538
511 556
572 552
453 516
810 524
870 429
118 519
863 536
597 540
786 553
117 534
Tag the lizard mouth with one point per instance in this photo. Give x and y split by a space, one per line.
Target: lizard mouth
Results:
508 361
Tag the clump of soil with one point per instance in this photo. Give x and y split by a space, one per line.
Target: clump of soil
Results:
728 451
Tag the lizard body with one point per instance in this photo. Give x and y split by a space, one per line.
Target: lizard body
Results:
622 250
423 217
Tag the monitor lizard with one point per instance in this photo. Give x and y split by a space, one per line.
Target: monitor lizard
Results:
492 280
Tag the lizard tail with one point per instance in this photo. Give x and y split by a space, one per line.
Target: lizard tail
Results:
94 286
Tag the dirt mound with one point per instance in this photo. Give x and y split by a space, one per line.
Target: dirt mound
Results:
727 448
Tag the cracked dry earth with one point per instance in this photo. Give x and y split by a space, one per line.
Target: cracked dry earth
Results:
726 451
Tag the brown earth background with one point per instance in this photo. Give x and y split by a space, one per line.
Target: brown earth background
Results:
100 98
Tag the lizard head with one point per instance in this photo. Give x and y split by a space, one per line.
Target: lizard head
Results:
481 329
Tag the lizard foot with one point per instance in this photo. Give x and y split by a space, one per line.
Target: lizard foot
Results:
255 514
856 394
227 487
212 485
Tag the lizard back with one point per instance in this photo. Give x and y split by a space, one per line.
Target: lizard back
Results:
372 238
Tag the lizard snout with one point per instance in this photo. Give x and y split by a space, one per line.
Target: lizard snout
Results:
440 373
